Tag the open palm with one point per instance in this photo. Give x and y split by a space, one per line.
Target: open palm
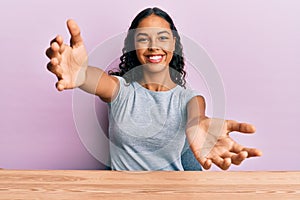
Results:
68 63
211 143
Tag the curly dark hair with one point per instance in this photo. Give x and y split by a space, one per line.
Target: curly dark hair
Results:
129 58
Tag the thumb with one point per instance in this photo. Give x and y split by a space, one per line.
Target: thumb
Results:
240 127
74 30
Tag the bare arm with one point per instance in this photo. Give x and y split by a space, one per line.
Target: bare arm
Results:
99 83
70 64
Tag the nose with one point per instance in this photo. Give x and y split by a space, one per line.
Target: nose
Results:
153 46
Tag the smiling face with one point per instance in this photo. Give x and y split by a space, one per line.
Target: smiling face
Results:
154 43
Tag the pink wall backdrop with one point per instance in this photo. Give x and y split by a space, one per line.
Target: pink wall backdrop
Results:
254 44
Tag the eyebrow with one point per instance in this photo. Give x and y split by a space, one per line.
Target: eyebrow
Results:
161 32
142 34
145 34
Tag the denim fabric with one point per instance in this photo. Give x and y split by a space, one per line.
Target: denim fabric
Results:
188 160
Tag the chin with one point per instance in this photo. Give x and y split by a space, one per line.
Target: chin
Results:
155 68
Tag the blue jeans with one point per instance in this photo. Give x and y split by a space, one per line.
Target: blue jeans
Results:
188 160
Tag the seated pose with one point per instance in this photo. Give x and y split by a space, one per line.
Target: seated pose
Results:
151 112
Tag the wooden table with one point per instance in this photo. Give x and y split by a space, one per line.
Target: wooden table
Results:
79 184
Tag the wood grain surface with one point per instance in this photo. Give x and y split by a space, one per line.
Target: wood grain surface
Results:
81 184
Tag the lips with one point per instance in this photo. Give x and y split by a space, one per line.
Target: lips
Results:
157 58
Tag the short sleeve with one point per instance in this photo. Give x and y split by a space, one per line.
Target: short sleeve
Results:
122 90
189 94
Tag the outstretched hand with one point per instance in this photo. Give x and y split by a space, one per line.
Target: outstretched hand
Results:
212 143
68 62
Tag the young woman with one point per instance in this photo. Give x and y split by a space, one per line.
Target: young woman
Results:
151 113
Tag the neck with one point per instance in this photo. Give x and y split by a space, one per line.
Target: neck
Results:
157 82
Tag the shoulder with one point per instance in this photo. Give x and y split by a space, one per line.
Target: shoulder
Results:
196 107
189 95
196 100
122 89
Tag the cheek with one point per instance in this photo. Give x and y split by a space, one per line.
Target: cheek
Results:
169 57
169 49
139 54
171 52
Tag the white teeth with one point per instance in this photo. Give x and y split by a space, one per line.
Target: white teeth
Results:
155 57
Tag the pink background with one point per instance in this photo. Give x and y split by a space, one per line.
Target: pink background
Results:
255 45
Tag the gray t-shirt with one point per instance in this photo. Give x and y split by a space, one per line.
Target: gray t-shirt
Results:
147 128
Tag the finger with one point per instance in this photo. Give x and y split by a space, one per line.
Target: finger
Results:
54 48
229 155
252 152
206 163
74 30
226 163
240 127
53 67
61 85
49 66
55 51
236 148
49 53
239 158
62 48
221 163
58 39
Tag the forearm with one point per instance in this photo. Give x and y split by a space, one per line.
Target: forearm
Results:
92 79
99 83
194 130
195 117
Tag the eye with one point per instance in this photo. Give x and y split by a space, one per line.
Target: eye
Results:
142 39
163 38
